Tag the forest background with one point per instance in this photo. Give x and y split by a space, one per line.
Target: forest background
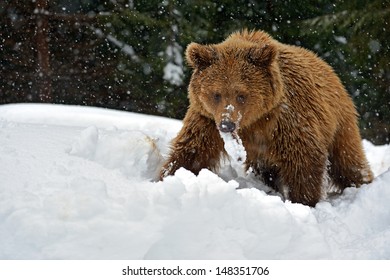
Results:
128 54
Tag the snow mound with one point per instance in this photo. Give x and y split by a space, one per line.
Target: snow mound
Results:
77 183
134 153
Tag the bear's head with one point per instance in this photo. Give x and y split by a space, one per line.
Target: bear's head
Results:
234 83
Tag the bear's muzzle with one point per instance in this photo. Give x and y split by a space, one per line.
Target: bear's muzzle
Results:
227 126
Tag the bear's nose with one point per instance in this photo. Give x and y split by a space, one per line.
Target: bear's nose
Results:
227 126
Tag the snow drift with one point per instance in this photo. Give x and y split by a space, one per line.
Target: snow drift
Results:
77 183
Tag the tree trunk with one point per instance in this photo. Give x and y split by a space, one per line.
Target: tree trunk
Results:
43 53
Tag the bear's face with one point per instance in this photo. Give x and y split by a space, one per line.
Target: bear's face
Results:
234 86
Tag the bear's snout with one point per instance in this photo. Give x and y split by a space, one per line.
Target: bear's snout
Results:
227 126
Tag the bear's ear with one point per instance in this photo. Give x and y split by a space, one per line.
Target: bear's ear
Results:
262 56
200 56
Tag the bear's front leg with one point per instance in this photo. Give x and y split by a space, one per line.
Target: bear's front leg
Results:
198 145
303 175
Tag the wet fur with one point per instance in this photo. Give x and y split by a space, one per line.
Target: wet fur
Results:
296 116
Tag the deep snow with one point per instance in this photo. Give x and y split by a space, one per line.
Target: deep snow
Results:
77 183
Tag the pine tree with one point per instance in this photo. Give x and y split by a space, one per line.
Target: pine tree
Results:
353 38
128 54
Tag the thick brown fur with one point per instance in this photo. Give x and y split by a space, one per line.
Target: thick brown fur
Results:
296 120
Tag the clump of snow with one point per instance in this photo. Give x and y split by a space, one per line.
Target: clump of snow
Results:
377 156
76 183
229 109
173 73
236 152
134 153
341 39
173 70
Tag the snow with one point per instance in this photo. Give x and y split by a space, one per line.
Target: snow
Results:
341 39
125 48
173 73
173 70
78 183
236 152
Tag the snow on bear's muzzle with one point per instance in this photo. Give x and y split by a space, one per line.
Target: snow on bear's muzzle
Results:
227 124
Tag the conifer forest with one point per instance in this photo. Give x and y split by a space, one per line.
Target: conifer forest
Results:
129 54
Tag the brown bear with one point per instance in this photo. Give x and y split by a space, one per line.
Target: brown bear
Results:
295 119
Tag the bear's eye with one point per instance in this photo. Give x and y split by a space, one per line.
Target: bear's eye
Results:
217 97
240 98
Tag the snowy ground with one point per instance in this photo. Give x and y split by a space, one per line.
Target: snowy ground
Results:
76 183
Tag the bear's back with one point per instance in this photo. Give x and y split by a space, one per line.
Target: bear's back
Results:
304 74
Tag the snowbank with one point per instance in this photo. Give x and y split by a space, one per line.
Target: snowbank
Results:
77 183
